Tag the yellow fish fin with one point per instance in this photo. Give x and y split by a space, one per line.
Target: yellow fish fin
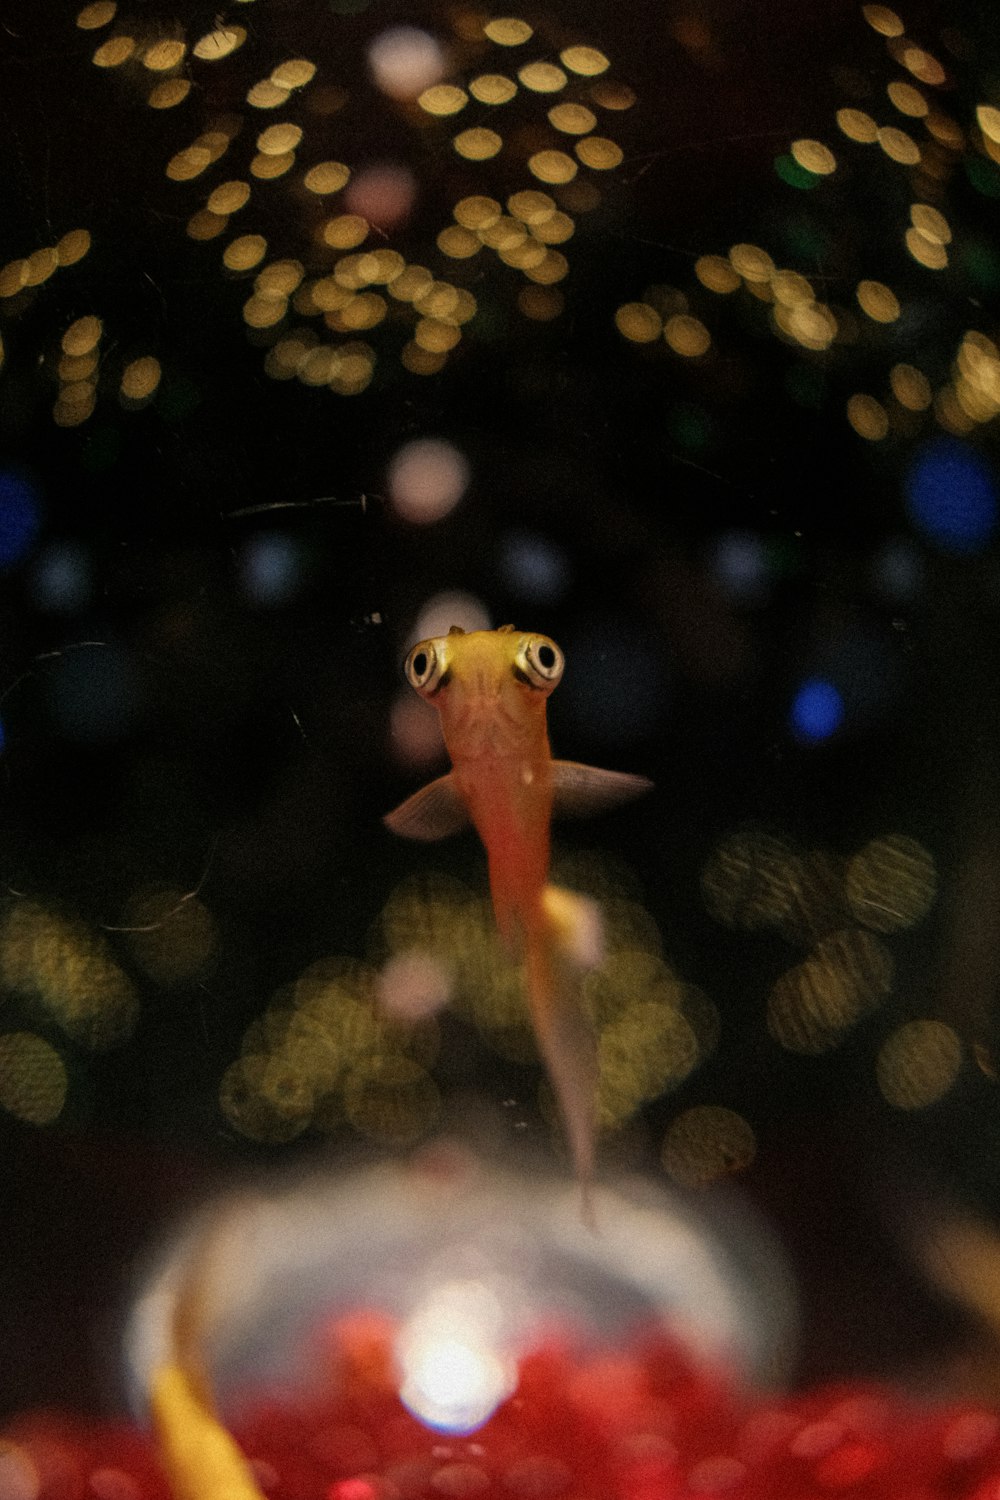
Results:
579 790
201 1459
567 941
435 812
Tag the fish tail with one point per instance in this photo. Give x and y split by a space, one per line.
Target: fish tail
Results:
201 1459
561 945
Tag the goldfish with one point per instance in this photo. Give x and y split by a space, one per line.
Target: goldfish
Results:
491 689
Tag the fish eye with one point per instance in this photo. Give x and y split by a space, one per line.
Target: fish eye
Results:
541 661
423 667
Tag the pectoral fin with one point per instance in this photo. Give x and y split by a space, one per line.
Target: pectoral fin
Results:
579 790
435 812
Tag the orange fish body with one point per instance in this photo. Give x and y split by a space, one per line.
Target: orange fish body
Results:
490 688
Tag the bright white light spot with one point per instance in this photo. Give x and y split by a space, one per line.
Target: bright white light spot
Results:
442 611
413 985
405 60
382 194
427 479
455 1372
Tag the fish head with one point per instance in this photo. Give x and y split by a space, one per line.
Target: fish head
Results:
486 682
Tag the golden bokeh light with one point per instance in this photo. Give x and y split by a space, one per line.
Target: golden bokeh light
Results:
477 144
508 31
572 119
228 197
931 223
883 20
556 229
443 99
279 279
540 303
40 265
988 120
587 61
71 970
476 212
910 387
115 51
907 99
612 95
189 163
493 88
649 1049
74 404
100 13
531 207
753 880
857 125
293 73
813 1005
945 130
552 166
716 274
168 93
929 253
82 335
276 140
220 43
687 335
600 154
542 77
244 253
706 1143
551 268
266 94
868 417
638 322
268 168
205 225
326 177
878 301
814 157
458 243
898 145
73 247
164 55
918 1064
891 883
922 64
751 262
420 361
33 1079
140 378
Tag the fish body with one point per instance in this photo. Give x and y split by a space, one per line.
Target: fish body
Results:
491 689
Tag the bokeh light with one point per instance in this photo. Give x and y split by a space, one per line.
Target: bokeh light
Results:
427 478
20 516
817 710
706 1143
918 1064
72 971
405 61
951 495
33 1078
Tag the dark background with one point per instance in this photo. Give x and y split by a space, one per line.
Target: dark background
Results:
167 728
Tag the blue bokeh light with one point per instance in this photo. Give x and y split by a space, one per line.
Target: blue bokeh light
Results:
534 568
271 568
951 495
817 710
19 516
60 579
741 565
